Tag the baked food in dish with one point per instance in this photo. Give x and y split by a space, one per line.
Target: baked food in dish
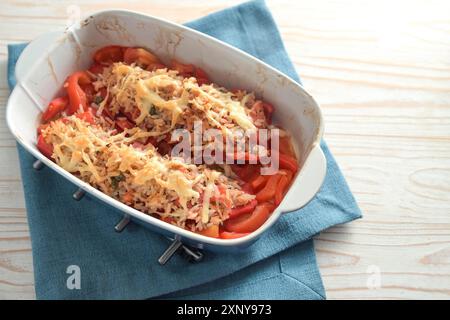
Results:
115 130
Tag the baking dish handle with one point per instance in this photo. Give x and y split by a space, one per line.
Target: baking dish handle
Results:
308 181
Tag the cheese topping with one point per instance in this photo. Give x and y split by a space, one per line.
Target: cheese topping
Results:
129 168
146 97
162 100
140 176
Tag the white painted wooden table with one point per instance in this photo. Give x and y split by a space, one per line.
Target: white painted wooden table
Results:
381 71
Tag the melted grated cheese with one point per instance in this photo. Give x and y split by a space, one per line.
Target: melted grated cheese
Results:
146 97
175 98
110 163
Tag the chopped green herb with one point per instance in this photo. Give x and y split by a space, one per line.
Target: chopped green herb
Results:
153 111
115 180
98 99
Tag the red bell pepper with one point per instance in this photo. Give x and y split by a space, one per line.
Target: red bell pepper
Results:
268 192
231 235
249 222
247 187
248 208
285 146
77 96
89 91
45 148
55 107
259 182
279 194
212 231
87 116
42 127
288 163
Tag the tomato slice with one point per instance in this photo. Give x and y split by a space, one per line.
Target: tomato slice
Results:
89 91
200 73
45 148
96 68
156 66
202 81
212 231
268 192
108 55
259 182
55 107
42 127
285 146
247 172
87 116
232 235
255 172
288 174
185 70
248 208
201 76
236 169
288 163
247 187
77 96
141 57
279 194
249 222
168 219
128 197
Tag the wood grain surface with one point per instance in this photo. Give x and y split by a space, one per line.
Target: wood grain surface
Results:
380 70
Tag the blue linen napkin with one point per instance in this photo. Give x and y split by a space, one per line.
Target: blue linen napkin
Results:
281 265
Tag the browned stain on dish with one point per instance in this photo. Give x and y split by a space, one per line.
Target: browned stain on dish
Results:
69 36
312 111
282 80
113 24
167 41
141 25
178 37
52 69
86 21
159 40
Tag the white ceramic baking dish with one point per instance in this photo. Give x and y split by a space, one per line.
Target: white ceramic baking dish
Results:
47 62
